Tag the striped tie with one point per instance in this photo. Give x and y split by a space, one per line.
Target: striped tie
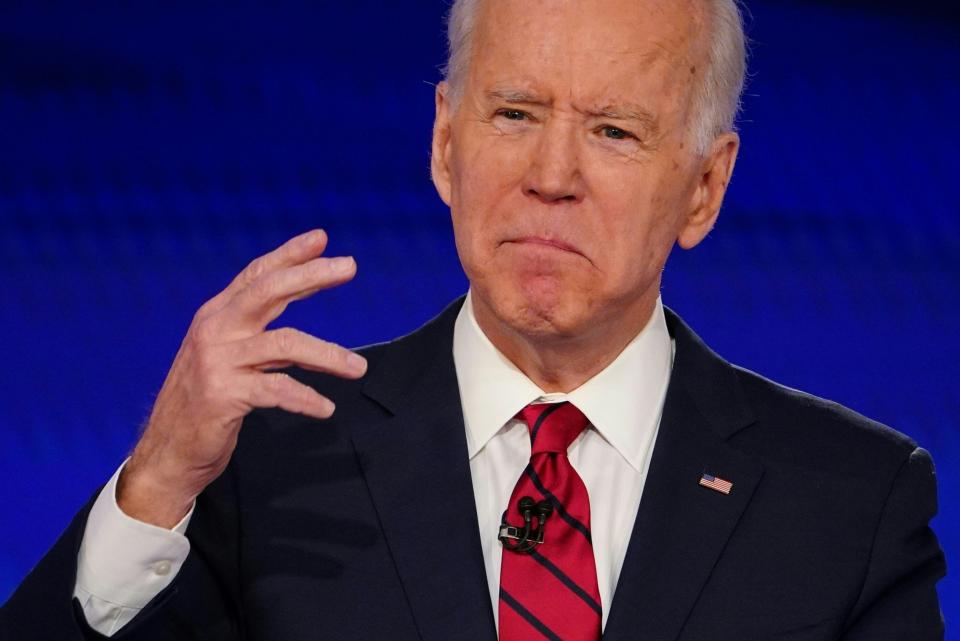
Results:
551 592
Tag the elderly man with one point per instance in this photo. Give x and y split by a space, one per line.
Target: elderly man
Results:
556 456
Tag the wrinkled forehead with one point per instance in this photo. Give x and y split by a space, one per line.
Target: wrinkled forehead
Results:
593 45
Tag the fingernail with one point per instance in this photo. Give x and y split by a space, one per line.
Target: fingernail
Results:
356 362
341 265
313 237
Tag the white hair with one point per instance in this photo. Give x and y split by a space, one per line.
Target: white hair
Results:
716 100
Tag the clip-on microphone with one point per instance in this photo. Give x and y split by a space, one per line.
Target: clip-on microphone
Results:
524 540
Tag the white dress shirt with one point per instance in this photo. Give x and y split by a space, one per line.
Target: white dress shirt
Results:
623 403
123 563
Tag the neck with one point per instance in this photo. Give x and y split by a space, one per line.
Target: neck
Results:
564 363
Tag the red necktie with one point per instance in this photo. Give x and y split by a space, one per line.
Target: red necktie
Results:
551 592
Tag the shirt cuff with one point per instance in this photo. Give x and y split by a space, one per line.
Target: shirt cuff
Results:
125 562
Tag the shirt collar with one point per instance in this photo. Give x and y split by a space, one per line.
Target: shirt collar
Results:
623 401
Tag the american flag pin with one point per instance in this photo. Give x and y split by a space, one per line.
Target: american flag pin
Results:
716 483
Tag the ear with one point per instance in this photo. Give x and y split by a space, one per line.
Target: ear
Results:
440 150
715 172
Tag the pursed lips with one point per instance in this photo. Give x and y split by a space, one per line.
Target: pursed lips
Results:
547 242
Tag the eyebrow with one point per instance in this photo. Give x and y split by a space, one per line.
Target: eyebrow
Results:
627 111
623 112
516 96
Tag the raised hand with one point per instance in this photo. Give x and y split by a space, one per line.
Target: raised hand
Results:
218 377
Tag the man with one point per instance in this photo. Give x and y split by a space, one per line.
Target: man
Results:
671 495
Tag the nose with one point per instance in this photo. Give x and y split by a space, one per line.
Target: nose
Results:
554 173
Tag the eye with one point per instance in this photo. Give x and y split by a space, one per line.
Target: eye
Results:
512 114
615 133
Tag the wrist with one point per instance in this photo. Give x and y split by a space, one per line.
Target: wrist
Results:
141 495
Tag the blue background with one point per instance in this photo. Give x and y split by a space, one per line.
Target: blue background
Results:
148 151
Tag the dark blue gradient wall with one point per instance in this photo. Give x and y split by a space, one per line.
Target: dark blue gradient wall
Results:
149 150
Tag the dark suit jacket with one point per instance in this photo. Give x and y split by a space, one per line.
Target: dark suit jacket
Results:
364 526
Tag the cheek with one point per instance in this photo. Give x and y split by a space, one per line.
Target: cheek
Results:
639 230
486 176
489 163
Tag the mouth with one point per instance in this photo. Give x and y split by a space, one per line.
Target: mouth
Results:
545 242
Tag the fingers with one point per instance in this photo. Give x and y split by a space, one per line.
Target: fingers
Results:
286 346
266 298
295 251
279 390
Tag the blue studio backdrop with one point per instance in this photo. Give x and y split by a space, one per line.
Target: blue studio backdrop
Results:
149 150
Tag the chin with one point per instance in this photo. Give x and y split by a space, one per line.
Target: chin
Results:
543 307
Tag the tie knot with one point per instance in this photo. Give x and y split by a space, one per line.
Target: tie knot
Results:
553 426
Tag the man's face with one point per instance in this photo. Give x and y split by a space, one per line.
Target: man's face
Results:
568 164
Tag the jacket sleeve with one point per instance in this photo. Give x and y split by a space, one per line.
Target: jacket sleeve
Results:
201 603
899 597
42 607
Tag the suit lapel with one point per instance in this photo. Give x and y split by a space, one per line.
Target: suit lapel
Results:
416 466
417 470
681 528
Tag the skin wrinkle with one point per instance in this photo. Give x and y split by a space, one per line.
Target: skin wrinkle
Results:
616 111
721 44
551 171
639 121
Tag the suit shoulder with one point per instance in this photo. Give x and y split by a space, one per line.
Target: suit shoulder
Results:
801 426
396 363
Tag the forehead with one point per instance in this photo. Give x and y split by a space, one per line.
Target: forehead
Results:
591 48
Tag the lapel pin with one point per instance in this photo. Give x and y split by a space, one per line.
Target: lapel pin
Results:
716 483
